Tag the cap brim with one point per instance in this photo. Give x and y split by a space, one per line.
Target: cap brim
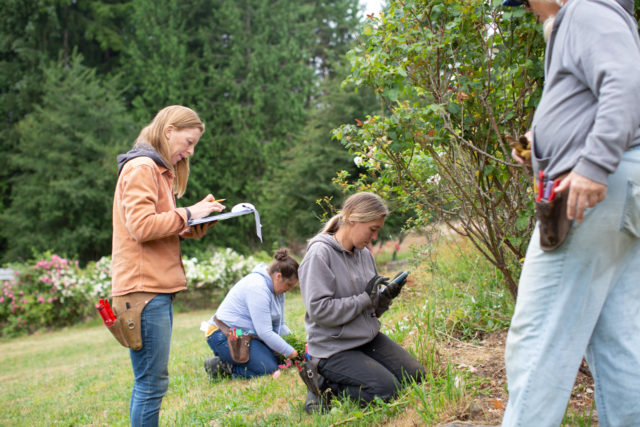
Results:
512 3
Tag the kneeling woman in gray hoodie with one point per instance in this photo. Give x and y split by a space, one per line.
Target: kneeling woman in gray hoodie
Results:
343 333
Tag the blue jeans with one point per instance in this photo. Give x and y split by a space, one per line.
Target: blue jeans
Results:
583 299
262 360
151 362
375 369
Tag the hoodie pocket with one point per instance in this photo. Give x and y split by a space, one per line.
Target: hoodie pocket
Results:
630 221
362 327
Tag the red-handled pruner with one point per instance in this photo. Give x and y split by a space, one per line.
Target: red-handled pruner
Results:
540 187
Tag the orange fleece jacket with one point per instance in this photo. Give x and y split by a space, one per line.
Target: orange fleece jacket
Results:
146 255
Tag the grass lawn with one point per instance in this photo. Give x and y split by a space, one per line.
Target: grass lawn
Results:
82 376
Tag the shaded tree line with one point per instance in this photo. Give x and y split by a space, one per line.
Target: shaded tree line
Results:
78 79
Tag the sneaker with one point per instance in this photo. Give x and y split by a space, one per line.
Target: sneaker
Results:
315 404
217 367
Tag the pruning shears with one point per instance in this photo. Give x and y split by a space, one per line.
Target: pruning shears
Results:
234 334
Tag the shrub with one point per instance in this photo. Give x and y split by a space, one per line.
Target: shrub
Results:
209 279
54 291
47 294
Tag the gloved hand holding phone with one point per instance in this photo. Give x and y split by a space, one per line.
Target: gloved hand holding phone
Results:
389 292
373 288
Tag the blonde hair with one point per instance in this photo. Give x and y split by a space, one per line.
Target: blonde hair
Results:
360 207
154 134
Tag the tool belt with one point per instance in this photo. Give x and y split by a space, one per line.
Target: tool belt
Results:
239 343
128 310
552 221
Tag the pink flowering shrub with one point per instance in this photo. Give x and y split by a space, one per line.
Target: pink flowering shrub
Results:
49 294
55 292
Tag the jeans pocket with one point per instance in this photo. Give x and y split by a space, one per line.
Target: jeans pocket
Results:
630 221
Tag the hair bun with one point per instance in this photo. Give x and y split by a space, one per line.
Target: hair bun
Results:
281 254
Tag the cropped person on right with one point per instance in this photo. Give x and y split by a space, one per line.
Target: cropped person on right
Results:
582 298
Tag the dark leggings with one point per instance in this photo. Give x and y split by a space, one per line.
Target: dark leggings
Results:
375 369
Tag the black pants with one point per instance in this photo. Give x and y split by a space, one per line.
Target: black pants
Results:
375 369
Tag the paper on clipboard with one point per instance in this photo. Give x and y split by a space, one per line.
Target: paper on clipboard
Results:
238 210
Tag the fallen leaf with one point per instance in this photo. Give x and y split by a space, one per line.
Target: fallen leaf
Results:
498 404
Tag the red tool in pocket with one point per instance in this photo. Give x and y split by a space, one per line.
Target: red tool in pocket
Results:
105 311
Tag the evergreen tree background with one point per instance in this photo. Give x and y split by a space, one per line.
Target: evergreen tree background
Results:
79 80
61 199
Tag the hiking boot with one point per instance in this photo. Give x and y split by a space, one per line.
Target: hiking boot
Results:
315 404
217 367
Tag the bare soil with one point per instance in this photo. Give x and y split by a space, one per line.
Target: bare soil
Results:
486 362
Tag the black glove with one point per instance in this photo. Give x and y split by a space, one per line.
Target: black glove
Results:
394 288
382 305
373 287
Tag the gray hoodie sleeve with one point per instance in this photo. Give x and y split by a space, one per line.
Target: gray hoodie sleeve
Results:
319 287
608 59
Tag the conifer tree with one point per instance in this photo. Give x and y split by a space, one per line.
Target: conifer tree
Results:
61 201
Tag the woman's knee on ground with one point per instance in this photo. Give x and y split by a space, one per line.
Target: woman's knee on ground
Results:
381 384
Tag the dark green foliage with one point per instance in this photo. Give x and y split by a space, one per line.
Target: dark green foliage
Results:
298 341
303 175
259 80
61 200
20 78
290 195
456 79
263 75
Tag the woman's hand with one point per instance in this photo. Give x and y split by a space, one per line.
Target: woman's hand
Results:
293 355
198 231
205 206
373 288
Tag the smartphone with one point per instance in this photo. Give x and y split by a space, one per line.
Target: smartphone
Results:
400 278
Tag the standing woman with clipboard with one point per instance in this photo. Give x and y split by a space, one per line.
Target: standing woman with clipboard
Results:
146 264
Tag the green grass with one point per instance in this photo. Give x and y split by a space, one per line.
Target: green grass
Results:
81 376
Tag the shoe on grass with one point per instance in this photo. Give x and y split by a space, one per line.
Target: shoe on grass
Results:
315 404
217 368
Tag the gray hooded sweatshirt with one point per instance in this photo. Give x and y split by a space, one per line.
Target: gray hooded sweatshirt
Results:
332 281
589 113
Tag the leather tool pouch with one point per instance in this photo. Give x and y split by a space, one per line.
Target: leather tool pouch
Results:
553 222
128 310
309 374
239 346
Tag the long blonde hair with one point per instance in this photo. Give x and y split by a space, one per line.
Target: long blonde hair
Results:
359 207
154 134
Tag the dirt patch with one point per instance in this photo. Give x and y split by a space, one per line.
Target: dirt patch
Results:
486 363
